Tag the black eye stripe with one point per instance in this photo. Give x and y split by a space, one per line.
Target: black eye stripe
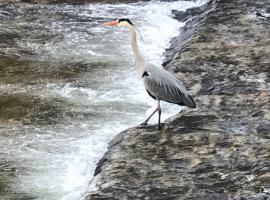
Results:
145 74
125 20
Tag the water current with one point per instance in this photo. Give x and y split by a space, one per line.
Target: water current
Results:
68 86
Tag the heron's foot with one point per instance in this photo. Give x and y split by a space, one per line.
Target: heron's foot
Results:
142 125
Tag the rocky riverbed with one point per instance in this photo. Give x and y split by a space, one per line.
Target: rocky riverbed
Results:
221 150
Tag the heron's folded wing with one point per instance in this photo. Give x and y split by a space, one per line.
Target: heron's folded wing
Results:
165 86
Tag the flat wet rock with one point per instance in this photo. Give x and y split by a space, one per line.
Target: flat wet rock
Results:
15 70
221 149
26 108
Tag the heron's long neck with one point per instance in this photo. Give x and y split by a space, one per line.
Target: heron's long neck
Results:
139 61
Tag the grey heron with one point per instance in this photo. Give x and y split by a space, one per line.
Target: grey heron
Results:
159 83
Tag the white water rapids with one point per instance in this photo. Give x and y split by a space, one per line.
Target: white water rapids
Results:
57 161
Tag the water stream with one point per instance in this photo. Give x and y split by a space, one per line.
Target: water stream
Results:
68 86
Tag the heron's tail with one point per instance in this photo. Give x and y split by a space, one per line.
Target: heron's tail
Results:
189 102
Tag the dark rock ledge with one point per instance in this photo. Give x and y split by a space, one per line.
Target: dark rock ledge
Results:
221 151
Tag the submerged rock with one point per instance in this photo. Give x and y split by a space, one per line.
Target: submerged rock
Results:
15 70
30 109
221 149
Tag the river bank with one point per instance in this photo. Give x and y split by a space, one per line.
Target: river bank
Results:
221 149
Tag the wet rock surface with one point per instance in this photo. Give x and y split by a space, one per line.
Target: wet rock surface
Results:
221 150
183 16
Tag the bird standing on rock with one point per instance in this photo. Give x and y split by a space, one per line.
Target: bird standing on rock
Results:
159 83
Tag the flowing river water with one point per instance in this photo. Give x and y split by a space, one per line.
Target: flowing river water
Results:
68 85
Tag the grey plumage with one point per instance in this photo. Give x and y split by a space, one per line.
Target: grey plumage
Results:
163 85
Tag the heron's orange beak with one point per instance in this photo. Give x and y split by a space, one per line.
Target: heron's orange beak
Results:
112 23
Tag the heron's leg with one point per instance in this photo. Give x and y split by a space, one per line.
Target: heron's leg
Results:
159 114
145 122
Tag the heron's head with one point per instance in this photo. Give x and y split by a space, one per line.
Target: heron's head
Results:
119 22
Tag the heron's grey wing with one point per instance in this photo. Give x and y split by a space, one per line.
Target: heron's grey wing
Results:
165 86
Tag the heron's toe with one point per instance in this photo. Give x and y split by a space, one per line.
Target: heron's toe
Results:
142 125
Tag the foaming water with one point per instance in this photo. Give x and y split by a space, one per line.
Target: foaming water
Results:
106 95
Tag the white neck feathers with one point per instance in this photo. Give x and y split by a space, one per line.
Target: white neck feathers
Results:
139 61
